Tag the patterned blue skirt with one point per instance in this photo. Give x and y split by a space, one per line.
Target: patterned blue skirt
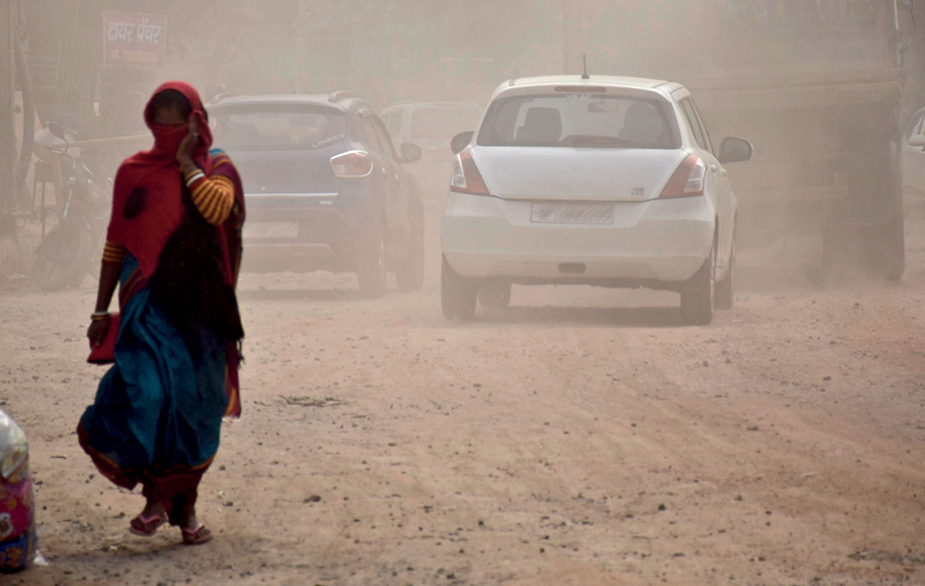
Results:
158 412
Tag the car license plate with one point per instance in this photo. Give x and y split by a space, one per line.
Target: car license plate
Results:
554 213
271 230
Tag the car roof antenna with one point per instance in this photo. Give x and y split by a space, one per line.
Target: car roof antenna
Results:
585 75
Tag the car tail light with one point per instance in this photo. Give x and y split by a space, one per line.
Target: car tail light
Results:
466 177
688 181
352 165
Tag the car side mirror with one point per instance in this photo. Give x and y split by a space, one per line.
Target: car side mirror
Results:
460 142
411 153
735 150
917 141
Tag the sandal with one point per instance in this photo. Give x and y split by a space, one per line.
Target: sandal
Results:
146 526
196 536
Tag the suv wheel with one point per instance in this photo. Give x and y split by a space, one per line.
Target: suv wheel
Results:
371 270
697 305
457 296
495 295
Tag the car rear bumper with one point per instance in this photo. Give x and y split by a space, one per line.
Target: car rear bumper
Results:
304 235
276 258
649 243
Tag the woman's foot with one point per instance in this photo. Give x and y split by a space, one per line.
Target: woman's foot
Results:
194 532
149 521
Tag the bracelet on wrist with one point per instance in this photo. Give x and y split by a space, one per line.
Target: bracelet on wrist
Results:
100 315
194 178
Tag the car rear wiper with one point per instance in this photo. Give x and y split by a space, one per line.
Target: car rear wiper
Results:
594 140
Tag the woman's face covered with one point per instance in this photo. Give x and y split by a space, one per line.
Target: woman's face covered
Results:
169 128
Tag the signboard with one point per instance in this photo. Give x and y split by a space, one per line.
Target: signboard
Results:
132 38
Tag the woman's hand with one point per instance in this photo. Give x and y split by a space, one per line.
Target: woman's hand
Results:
189 145
99 329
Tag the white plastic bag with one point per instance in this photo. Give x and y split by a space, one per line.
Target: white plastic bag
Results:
14 450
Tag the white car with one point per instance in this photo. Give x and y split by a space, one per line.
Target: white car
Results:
604 181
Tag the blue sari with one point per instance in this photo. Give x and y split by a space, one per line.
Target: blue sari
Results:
158 412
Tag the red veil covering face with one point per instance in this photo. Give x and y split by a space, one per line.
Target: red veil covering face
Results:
148 193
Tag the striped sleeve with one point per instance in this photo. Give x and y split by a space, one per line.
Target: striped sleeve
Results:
114 253
213 197
219 159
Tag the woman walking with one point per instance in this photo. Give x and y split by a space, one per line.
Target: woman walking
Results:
174 248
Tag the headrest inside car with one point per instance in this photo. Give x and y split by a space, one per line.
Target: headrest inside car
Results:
542 125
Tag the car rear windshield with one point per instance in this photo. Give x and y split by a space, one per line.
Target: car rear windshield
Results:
580 120
442 123
279 129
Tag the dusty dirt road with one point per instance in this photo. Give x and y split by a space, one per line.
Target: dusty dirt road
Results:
580 438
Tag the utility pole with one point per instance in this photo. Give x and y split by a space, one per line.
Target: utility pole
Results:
9 18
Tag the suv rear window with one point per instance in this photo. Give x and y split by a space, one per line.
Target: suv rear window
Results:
580 120
278 129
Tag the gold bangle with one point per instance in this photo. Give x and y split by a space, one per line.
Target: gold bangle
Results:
100 316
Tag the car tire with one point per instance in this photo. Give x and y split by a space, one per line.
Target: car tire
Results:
85 258
726 289
697 305
410 276
371 269
495 295
457 296
58 261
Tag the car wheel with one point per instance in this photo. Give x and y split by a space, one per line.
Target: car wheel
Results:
410 276
697 305
457 296
495 295
726 290
84 259
57 260
371 270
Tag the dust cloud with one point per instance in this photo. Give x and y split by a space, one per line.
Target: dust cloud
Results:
580 436
816 85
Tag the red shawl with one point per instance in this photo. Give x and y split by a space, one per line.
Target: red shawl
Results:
148 193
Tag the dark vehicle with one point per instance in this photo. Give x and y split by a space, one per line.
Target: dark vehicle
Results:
325 188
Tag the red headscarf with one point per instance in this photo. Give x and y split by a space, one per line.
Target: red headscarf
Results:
148 194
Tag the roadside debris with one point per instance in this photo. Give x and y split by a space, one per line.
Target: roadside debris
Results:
314 402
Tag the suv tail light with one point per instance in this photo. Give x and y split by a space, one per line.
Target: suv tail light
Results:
352 165
466 177
688 181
